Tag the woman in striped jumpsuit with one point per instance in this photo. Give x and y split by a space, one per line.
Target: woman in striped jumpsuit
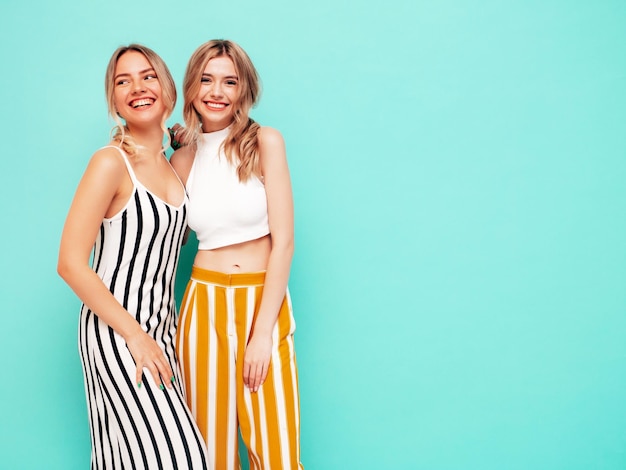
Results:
131 209
235 333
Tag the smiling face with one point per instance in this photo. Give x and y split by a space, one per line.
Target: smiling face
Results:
136 90
218 94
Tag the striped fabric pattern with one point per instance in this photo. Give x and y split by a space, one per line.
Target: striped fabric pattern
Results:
217 315
135 255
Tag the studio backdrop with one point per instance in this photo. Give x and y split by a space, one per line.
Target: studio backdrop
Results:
459 175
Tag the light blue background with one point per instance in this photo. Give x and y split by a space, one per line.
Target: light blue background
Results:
459 175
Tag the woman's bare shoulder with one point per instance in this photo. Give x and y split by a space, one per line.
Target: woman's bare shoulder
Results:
107 160
181 160
182 156
269 136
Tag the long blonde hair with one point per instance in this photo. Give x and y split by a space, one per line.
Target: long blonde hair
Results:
120 132
241 144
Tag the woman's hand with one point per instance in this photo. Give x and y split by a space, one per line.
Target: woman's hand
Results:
147 353
174 131
256 361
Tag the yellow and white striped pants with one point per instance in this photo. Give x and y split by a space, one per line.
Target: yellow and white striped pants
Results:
217 314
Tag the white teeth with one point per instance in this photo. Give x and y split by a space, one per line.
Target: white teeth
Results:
216 105
143 102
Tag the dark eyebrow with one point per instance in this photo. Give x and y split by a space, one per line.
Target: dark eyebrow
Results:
128 75
227 76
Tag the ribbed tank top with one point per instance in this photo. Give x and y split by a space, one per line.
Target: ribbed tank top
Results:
136 254
222 210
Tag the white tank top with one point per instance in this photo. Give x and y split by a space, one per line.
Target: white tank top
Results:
222 210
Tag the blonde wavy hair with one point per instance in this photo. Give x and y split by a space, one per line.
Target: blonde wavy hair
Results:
120 133
241 145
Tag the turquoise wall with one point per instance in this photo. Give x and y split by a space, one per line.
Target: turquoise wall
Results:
459 174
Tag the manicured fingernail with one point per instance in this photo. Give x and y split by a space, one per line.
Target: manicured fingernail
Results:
162 387
138 384
173 379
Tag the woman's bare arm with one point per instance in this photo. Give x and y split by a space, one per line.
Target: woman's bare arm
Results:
101 193
273 160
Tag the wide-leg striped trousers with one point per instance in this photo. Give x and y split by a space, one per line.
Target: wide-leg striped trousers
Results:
216 317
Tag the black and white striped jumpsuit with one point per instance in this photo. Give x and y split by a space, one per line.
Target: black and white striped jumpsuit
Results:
135 255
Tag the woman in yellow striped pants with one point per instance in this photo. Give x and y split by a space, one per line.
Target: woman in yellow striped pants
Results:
235 331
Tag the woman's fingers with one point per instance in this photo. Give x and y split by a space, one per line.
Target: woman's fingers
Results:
154 371
138 375
165 371
254 375
259 378
148 355
257 362
175 131
160 371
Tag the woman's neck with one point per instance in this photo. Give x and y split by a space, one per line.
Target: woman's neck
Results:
149 140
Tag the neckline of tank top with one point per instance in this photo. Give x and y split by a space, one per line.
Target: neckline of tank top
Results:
138 183
215 136
151 193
